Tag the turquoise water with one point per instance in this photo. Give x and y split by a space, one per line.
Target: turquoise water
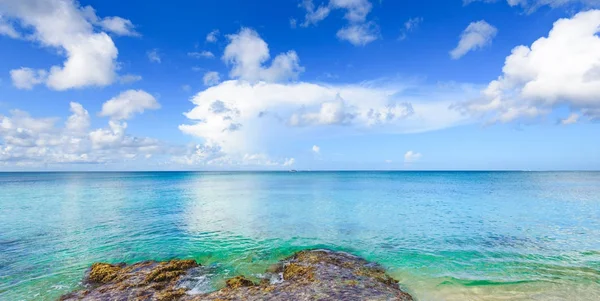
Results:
445 235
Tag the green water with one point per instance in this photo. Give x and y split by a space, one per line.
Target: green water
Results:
444 235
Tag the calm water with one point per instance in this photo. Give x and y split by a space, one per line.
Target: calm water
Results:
444 235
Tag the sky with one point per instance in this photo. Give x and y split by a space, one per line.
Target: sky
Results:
106 85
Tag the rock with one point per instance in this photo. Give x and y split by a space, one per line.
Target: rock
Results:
148 280
307 275
239 281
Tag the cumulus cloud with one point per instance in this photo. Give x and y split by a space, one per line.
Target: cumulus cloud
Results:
30 141
316 149
129 78
211 78
27 78
247 114
7 29
79 121
572 119
247 54
212 36
531 6
154 56
359 34
289 162
118 26
409 26
411 157
358 31
201 54
476 36
560 69
240 116
64 25
129 103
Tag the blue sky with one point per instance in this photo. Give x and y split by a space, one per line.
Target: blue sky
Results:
277 85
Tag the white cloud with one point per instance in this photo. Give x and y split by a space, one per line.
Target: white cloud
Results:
119 26
186 88
29 141
409 26
289 162
129 103
359 34
7 29
572 119
243 117
26 78
560 69
129 78
211 78
411 157
314 16
79 121
293 23
154 56
201 54
531 6
62 24
212 36
358 31
246 115
476 36
316 149
247 53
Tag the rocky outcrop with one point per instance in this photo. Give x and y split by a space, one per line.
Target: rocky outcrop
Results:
307 275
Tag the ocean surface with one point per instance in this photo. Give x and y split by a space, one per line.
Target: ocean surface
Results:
444 235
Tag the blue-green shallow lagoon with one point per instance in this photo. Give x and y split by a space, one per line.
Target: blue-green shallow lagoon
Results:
444 235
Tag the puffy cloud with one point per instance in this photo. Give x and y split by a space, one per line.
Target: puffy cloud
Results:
243 117
127 104
411 157
211 78
572 119
247 53
90 56
560 69
201 54
359 34
129 78
29 141
314 16
212 36
79 121
358 31
26 78
119 26
316 149
7 29
532 5
246 115
477 35
409 26
289 162
154 56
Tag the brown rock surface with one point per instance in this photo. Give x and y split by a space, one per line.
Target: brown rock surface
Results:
307 275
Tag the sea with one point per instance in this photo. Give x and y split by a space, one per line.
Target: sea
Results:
443 235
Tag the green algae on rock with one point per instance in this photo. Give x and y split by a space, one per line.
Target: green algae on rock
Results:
307 275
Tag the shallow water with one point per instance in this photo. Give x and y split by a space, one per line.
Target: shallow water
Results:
444 235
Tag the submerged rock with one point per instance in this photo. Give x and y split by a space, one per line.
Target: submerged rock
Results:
307 275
